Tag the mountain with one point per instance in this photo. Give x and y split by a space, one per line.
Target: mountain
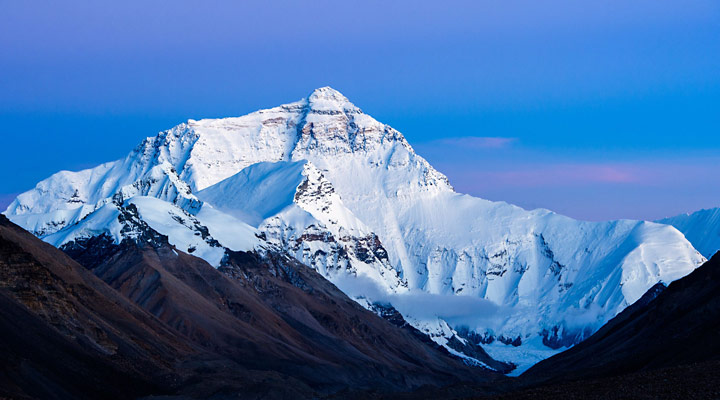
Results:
701 228
140 317
326 184
668 328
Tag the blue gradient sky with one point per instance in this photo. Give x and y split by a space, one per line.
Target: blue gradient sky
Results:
595 109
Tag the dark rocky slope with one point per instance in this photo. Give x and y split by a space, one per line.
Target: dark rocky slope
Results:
164 322
272 313
64 333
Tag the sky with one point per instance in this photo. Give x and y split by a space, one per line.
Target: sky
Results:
594 109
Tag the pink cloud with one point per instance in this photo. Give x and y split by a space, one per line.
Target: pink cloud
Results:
479 142
562 174
654 173
569 173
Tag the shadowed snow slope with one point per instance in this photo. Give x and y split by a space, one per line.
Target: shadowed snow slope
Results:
701 228
348 196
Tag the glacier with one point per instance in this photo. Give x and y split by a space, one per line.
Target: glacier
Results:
347 195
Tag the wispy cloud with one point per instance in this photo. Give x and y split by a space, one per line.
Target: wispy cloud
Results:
457 310
569 173
478 142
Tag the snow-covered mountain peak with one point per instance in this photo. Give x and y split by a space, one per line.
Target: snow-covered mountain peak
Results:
328 100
